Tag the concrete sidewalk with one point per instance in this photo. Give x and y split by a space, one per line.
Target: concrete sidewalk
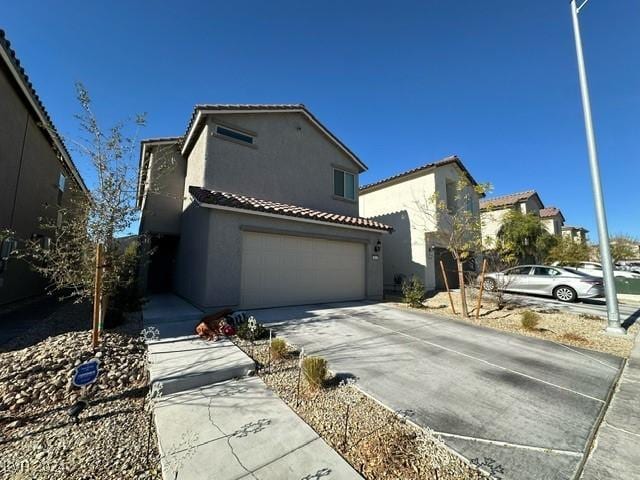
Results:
239 430
210 426
171 315
615 452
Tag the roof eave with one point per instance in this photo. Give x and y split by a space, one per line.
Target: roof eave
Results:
59 145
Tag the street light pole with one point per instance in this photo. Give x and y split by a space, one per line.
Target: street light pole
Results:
613 314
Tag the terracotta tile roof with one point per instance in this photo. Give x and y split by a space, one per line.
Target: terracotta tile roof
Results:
259 107
439 163
49 129
507 200
233 200
550 212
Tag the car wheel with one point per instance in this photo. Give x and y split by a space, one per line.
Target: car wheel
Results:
565 294
490 285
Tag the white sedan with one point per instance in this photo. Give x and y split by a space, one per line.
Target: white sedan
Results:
595 270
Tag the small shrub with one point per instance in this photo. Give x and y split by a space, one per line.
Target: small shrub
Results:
413 292
314 370
278 349
246 334
529 319
588 316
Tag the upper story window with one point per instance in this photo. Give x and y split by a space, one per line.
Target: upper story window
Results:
344 184
234 134
62 180
450 188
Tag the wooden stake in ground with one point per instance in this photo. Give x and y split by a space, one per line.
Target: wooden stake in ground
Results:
97 296
484 269
446 284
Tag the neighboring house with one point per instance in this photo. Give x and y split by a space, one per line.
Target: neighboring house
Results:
494 209
577 234
259 209
552 219
37 174
399 201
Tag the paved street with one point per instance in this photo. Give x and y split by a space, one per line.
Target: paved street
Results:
523 407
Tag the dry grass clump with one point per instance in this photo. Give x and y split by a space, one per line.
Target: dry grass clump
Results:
573 337
529 319
314 370
278 349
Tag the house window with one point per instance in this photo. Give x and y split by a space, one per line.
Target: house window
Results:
450 188
235 134
62 180
344 184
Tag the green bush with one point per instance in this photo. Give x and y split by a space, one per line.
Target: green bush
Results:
413 292
246 334
314 370
529 319
278 349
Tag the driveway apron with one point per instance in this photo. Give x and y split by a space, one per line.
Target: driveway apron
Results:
523 408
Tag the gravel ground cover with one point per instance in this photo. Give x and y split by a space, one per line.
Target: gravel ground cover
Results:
378 443
113 438
583 331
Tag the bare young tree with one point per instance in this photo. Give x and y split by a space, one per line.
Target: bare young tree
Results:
68 261
455 224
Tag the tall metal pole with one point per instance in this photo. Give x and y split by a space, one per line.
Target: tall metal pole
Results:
613 314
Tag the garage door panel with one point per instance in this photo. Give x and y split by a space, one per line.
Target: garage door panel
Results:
288 270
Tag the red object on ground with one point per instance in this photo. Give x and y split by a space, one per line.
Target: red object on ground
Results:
228 330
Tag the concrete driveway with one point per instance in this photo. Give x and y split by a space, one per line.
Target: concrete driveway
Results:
525 408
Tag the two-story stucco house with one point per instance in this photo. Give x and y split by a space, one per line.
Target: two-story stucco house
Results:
259 209
36 176
552 220
577 234
494 209
414 249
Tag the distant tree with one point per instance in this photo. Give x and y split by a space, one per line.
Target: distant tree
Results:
624 247
566 251
523 238
457 227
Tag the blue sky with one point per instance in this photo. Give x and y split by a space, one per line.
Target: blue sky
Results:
401 83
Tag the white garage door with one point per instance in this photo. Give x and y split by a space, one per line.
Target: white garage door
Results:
286 270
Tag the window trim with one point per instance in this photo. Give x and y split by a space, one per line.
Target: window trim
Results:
344 185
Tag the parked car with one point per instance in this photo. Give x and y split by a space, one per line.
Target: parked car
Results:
595 270
564 284
629 265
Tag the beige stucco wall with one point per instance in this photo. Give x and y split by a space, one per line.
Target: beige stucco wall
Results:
29 172
291 162
405 205
210 253
553 225
491 223
164 190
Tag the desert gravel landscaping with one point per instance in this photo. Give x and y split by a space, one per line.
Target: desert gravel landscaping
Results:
380 444
112 440
583 331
